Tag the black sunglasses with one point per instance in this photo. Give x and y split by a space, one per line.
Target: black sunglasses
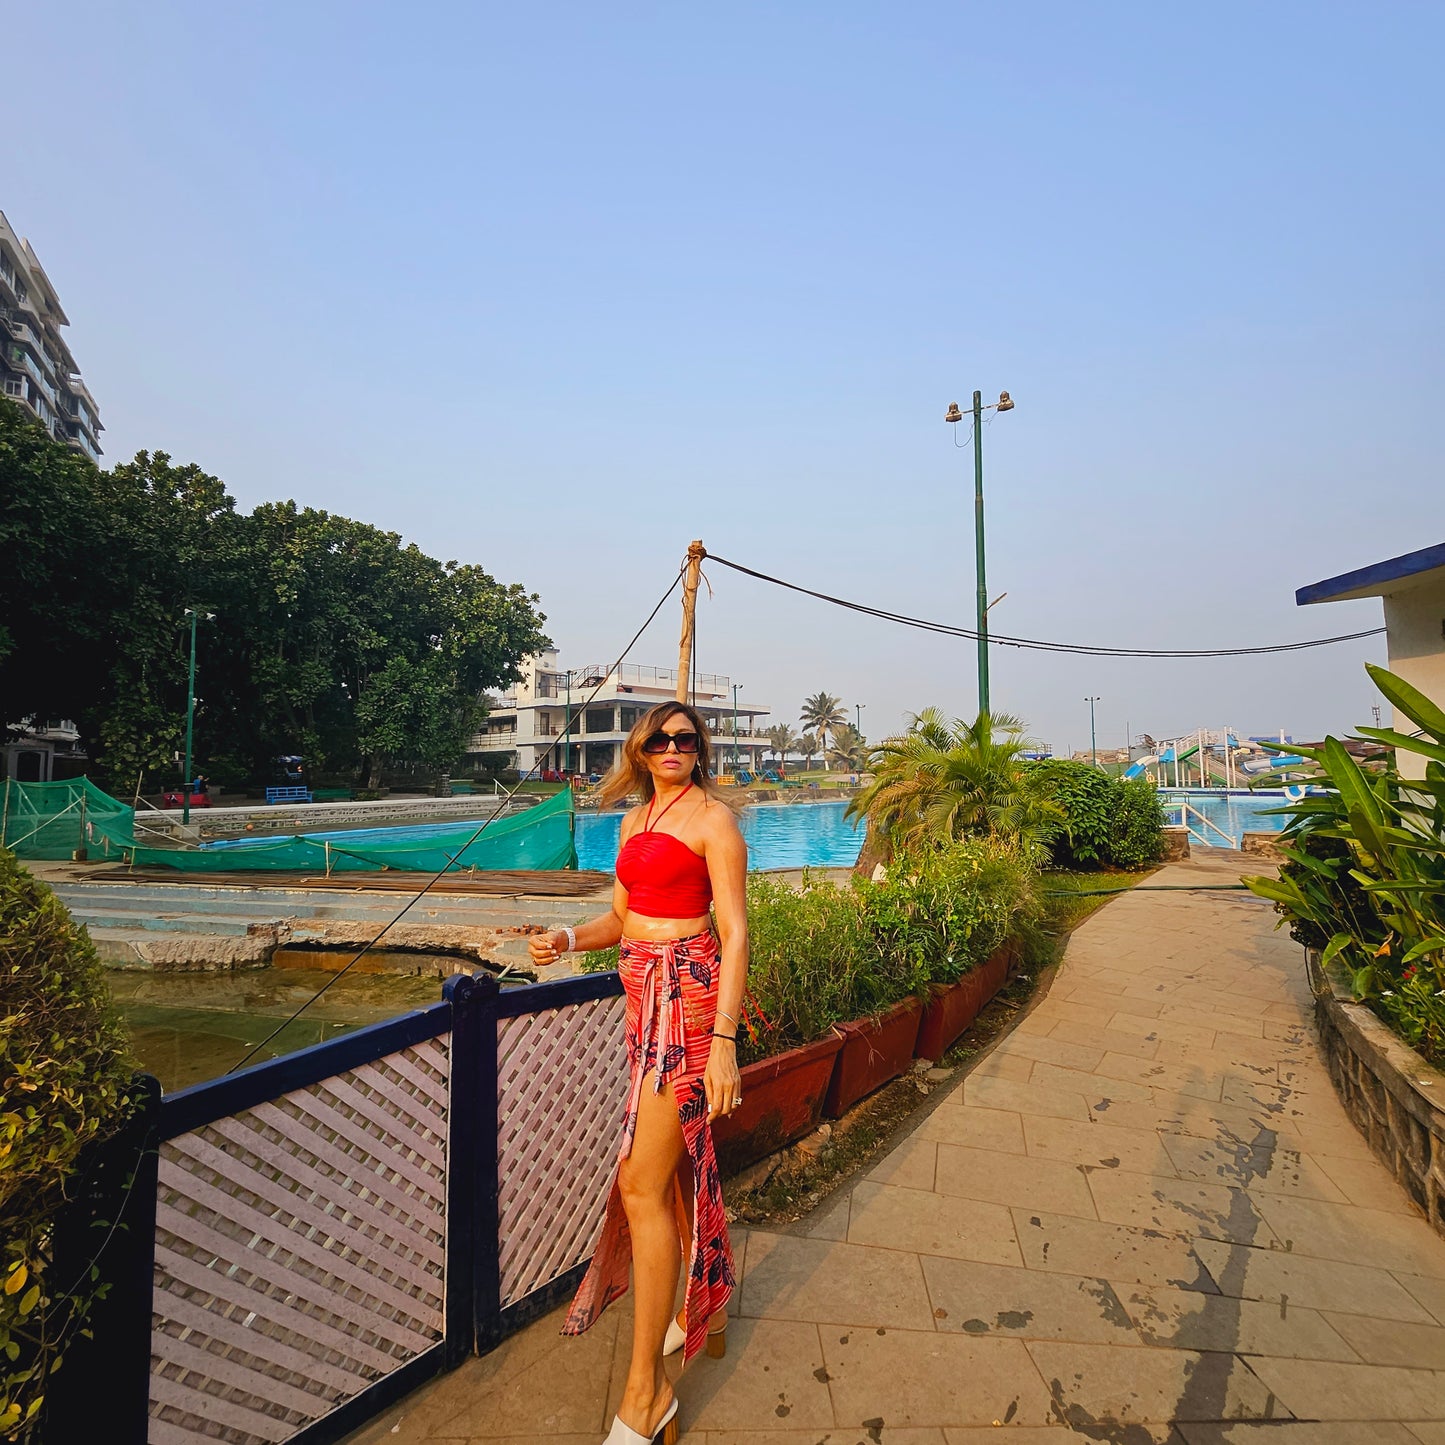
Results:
657 742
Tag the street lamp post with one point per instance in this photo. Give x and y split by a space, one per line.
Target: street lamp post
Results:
858 718
955 415
190 715
736 686
1093 738
567 726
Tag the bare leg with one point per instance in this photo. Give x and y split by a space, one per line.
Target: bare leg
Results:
646 1180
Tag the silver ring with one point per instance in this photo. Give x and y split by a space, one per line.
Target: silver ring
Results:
737 1100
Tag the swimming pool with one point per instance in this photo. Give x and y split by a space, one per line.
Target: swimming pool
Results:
779 835
1233 813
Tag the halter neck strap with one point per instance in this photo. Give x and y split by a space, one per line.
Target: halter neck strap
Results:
648 825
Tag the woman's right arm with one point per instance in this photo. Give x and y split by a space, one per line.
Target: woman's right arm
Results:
604 932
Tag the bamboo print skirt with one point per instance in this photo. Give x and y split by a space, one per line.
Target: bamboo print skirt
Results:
671 1004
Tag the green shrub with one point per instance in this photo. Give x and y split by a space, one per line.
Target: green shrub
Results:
1136 831
64 1076
941 912
1108 822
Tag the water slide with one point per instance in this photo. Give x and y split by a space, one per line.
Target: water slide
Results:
1137 768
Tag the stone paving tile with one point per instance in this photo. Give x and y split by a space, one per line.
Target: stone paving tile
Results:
1192 1321
1049 1435
952 1379
1117 1252
1177 1078
1003 1066
793 1278
1297 1280
1048 1184
828 1222
1113 1041
1229 1053
885 1436
1330 1391
1095 1087
1052 1051
1430 1293
994 1129
772 1377
1306 1433
1389 1342
931 1223
1359 1236
1427 1432
1207 1020
1025 1099
1097 1145
1263 1170
1175 1114
1341 1139
1092 1385
1276 1099
1288 1033
983 1299
910 1164
1364 1182
1179 1206
1076 1014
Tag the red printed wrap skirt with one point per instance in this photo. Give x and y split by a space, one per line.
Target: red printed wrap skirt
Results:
671 1004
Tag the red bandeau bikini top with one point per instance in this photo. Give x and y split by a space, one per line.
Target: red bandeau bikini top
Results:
663 877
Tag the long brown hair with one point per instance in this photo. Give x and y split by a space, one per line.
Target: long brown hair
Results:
630 776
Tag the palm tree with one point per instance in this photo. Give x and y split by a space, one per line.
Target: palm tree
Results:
848 749
822 712
942 779
782 740
807 745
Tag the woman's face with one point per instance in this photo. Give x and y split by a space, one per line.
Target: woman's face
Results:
672 767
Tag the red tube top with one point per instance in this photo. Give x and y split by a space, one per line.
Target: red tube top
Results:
663 877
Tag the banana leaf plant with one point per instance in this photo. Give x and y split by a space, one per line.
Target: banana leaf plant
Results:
1364 876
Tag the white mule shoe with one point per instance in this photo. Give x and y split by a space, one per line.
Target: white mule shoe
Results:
676 1338
666 1431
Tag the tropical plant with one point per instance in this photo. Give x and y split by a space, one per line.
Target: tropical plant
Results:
1107 821
847 748
944 779
782 740
1365 869
808 746
64 1081
1136 831
821 713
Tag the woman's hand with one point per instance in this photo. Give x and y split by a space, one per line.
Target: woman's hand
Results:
721 1079
546 948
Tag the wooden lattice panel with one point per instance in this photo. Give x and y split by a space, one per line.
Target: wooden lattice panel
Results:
561 1092
299 1252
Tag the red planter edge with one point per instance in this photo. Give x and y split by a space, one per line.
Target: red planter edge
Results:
874 1051
952 1007
782 1100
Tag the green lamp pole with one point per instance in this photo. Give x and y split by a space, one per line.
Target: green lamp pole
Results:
736 686
190 715
1093 737
858 718
955 415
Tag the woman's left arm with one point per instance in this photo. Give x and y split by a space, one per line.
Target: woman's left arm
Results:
727 866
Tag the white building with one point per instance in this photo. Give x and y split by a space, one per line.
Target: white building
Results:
1412 588
36 367
531 725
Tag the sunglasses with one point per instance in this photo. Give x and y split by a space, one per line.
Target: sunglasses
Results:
657 742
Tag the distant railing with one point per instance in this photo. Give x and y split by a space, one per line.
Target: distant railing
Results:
304 1242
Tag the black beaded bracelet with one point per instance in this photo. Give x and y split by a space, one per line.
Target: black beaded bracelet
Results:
731 1038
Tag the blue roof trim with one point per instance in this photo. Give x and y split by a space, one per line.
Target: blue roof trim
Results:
1363 582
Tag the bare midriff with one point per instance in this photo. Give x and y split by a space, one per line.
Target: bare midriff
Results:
661 930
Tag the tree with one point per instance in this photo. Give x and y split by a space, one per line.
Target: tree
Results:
808 746
782 740
847 748
821 713
941 780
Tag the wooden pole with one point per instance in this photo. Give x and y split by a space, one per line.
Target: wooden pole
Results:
695 553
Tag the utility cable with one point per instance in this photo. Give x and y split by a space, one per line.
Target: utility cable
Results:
446 868
1000 639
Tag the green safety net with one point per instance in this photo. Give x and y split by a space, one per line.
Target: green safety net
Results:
55 822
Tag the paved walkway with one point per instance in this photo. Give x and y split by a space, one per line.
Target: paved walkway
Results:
1143 1215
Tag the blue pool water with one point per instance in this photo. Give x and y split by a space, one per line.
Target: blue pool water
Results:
1232 813
779 835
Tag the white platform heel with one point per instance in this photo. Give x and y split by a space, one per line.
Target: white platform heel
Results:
665 1434
676 1338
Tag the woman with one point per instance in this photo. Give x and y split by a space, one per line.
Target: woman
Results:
680 852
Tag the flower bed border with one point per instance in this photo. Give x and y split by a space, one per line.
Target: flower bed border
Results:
1396 1099
874 1052
952 1007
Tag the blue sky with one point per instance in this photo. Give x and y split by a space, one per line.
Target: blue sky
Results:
558 289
